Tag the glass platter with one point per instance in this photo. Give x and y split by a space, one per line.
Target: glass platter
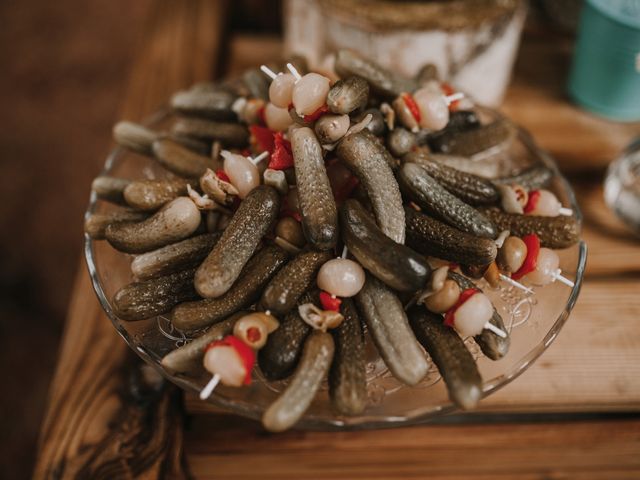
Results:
533 321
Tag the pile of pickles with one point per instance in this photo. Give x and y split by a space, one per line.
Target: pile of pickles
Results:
303 211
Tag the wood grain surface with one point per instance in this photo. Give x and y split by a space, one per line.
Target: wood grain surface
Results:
223 447
593 366
97 425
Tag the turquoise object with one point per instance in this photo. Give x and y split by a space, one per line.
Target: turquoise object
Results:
605 75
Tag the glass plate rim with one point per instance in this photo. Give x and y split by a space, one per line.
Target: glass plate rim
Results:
309 421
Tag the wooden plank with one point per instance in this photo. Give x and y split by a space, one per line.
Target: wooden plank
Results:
220 447
94 425
593 365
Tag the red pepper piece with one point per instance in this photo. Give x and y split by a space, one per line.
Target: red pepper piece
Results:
531 260
281 158
260 114
312 117
244 351
532 203
329 303
449 317
263 138
453 265
412 106
222 175
449 90
253 334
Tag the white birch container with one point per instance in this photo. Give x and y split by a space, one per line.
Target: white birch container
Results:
472 42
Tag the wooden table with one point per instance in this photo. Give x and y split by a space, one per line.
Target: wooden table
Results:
577 407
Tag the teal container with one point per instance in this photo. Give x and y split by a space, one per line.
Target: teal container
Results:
605 76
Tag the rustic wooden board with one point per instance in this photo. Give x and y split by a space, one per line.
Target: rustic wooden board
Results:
220 447
97 426
593 365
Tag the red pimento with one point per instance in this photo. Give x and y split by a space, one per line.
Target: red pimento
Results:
260 114
253 334
281 158
263 138
312 117
244 351
449 317
531 260
222 175
329 303
532 203
412 106
449 90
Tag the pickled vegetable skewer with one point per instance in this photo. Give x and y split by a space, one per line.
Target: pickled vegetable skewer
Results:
231 359
467 310
538 265
210 387
514 283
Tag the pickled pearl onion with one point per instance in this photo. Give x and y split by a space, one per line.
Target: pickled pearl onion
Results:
224 362
546 266
543 203
341 277
310 93
245 355
449 318
277 118
434 112
281 90
471 313
242 173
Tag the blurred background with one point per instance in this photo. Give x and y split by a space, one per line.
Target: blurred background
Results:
64 69
65 66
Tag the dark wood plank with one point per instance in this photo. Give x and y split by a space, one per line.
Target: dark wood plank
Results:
223 447
95 426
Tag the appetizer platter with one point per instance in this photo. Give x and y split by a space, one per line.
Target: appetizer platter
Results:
333 249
